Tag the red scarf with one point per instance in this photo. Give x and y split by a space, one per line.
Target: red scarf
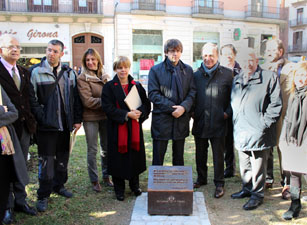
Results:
123 131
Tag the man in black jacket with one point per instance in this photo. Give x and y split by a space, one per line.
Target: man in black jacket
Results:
212 108
171 89
15 80
57 107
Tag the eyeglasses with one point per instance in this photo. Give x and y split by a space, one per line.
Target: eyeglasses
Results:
11 47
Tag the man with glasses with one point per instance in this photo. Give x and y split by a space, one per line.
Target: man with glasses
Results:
15 80
57 109
171 89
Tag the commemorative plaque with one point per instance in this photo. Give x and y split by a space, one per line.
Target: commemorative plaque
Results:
170 190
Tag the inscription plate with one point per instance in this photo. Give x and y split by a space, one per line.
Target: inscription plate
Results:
170 190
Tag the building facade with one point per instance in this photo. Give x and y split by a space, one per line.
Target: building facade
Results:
297 48
138 28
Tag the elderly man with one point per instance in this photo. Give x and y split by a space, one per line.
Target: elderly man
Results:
57 107
171 90
276 62
212 109
256 104
15 80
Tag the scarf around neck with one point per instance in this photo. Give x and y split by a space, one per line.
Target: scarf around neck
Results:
297 112
211 70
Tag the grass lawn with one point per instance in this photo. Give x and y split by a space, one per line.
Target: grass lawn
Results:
88 207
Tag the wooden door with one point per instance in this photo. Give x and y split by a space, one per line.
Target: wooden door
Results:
81 42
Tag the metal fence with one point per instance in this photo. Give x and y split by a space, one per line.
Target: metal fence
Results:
209 7
266 12
51 6
152 5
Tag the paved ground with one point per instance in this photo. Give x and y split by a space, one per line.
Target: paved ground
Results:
199 216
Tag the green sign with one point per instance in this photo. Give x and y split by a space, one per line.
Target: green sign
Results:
237 34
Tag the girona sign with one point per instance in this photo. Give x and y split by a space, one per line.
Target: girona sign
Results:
39 34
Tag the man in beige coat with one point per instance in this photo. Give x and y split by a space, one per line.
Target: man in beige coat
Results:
276 62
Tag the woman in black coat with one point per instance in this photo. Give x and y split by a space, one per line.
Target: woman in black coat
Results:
126 150
12 167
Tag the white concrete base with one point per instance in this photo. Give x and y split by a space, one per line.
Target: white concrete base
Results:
199 216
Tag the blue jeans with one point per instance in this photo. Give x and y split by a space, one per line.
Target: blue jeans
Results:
92 129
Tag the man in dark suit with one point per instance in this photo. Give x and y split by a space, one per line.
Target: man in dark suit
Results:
15 80
212 109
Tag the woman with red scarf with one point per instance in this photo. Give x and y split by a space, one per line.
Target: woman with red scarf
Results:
126 150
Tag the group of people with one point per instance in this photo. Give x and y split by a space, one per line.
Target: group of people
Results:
241 106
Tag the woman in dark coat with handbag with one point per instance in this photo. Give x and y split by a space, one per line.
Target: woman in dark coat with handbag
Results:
293 138
126 150
12 164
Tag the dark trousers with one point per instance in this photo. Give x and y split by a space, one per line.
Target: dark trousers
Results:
253 166
159 150
7 175
18 192
119 184
53 150
229 149
285 175
217 144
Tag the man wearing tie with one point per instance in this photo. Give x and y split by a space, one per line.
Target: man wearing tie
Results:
15 80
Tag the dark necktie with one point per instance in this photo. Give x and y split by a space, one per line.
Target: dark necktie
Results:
16 78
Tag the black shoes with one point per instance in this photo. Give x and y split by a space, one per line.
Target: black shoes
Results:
64 193
42 205
219 192
240 194
228 174
294 210
120 197
199 184
137 192
252 204
8 216
25 209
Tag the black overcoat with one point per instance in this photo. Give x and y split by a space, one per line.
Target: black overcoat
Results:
211 102
20 98
164 126
132 163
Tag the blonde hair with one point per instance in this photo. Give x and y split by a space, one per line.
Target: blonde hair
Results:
301 65
121 61
93 52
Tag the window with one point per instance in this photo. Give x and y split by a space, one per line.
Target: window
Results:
147 51
297 39
80 39
300 16
96 40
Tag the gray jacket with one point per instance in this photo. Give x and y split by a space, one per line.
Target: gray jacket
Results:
256 108
7 119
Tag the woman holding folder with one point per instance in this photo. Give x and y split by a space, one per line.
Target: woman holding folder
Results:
293 138
126 111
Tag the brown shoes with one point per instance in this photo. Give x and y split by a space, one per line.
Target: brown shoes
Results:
199 184
107 182
219 192
96 186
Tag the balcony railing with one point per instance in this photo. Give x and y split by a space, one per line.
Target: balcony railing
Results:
210 7
266 12
52 6
296 22
151 5
297 48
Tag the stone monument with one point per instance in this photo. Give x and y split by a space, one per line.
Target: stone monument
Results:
170 190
